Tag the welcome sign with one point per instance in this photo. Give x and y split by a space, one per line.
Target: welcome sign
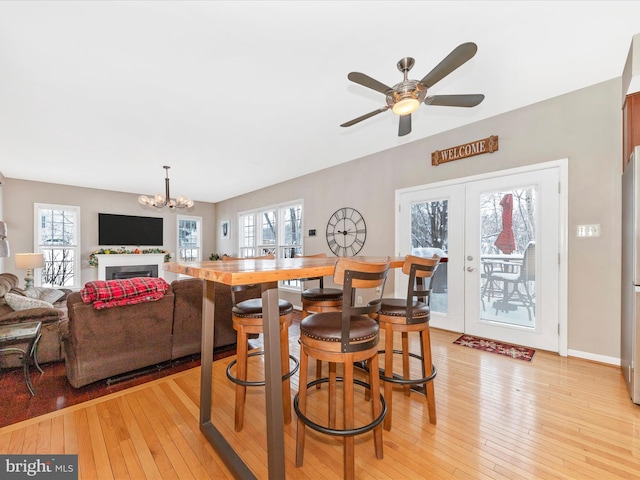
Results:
486 145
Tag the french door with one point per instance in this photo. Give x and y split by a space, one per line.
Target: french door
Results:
501 235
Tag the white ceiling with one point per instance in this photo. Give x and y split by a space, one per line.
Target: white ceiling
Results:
236 96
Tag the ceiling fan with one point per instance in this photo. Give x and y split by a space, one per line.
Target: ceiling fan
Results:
405 97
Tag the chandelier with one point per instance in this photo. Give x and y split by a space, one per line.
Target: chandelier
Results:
160 201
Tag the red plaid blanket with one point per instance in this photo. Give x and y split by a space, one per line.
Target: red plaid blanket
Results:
115 293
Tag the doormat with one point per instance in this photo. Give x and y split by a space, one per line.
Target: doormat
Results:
513 351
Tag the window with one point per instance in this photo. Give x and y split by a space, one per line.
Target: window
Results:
291 233
189 238
57 236
276 230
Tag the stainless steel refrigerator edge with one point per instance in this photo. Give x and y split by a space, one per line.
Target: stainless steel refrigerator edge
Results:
630 328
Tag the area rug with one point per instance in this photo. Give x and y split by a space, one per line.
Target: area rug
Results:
513 351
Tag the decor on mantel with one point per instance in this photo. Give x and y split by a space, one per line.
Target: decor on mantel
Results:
4 243
93 260
28 262
161 201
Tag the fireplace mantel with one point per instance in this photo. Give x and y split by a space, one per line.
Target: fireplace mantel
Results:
126 259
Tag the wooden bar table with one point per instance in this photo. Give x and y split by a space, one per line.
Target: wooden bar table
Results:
267 273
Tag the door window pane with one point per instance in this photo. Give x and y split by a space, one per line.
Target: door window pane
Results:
429 236
507 252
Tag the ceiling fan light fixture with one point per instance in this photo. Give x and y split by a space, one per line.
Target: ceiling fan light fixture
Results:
405 106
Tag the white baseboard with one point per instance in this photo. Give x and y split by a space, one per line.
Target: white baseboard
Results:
593 357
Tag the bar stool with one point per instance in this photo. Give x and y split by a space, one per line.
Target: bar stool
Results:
247 320
406 315
345 337
318 300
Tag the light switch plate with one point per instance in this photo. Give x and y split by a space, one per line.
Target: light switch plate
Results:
589 230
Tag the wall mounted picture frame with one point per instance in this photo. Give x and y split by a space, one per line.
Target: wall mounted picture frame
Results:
225 229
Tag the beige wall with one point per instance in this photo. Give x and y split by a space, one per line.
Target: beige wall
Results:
20 196
584 126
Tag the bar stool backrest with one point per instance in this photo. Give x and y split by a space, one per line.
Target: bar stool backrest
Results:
354 275
421 271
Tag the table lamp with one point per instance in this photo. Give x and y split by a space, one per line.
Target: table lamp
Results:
4 243
29 261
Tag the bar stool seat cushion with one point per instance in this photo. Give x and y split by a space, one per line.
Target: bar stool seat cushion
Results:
322 294
327 327
397 307
253 308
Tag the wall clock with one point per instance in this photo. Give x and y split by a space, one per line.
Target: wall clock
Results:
346 232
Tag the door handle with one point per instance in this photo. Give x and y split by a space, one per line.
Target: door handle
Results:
471 269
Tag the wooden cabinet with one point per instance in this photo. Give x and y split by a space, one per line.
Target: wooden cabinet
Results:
631 125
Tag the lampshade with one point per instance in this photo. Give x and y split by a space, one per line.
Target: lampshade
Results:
4 248
26 261
4 243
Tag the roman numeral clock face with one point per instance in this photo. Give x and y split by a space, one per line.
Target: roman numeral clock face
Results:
346 232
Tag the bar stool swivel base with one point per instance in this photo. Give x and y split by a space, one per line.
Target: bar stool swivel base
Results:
260 383
338 432
417 384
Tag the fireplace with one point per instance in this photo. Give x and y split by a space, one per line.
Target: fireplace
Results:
130 271
118 266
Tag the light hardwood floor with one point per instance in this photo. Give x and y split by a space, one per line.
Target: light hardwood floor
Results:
498 418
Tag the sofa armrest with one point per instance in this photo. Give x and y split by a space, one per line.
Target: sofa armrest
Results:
33 315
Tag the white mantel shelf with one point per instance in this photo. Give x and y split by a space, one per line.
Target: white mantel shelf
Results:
128 259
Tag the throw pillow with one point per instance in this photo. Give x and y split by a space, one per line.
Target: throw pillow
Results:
18 302
50 295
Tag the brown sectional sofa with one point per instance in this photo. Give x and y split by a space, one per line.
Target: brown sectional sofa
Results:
99 344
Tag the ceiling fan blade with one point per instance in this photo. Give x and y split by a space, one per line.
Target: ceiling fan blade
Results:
454 100
404 128
367 81
365 116
459 55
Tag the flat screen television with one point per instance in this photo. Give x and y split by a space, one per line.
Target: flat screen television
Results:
129 230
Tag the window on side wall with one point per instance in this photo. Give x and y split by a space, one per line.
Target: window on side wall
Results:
57 237
276 229
189 238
